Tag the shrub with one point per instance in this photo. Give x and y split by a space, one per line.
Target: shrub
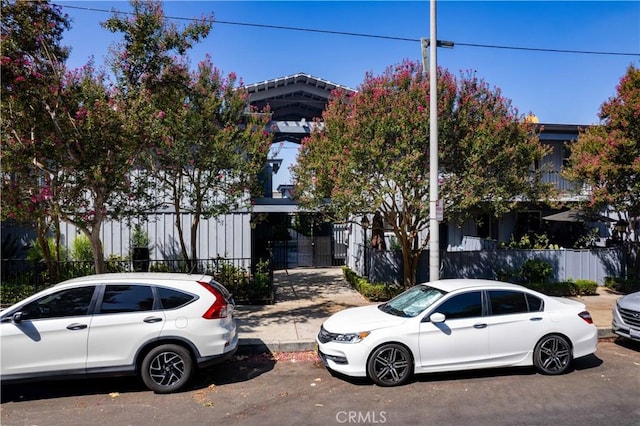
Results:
535 271
622 285
243 285
81 250
374 292
586 287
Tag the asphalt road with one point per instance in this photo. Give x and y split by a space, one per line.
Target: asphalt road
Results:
295 389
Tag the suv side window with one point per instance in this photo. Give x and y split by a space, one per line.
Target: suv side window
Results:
171 299
466 305
64 303
126 298
504 302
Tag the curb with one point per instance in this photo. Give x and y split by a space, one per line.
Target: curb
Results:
254 346
257 346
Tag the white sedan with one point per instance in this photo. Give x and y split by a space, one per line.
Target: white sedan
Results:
457 324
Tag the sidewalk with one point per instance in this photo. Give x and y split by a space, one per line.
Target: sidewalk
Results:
306 297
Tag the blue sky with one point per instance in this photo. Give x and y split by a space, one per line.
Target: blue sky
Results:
566 88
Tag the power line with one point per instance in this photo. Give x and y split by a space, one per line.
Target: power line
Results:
375 36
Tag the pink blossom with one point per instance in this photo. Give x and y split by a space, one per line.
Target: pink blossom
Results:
161 115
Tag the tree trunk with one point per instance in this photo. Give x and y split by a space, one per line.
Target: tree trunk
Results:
194 237
98 250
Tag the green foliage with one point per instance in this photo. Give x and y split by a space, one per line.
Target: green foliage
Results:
589 240
586 287
565 288
35 252
535 271
622 285
540 242
245 287
81 249
140 237
606 157
115 263
372 154
373 292
13 292
159 267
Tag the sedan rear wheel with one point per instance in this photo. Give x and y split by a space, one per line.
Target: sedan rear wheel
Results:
166 368
552 355
390 365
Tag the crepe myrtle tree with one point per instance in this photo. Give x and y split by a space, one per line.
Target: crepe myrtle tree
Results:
98 171
372 154
606 157
210 148
32 69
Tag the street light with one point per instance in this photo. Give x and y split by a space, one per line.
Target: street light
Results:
365 224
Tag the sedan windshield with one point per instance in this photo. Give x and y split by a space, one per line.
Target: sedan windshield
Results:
412 302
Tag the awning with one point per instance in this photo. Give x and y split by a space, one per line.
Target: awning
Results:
577 216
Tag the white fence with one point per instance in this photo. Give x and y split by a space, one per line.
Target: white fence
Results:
591 264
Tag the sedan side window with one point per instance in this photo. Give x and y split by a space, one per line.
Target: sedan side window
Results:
535 303
126 298
64 303
467 305
504 302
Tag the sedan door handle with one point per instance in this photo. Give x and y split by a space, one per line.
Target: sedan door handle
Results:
480 326
152 319
76 326
535 319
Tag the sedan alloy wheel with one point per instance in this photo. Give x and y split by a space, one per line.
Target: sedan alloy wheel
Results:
390 365
552 355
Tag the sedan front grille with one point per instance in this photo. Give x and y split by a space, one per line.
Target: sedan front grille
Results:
630 317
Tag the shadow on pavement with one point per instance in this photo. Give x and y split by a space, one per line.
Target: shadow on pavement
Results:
240 368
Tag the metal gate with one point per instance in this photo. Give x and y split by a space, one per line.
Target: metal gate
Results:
300 240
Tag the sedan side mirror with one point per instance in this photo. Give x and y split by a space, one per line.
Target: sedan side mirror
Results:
437 318
17 317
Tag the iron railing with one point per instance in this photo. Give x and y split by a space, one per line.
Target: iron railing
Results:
250 280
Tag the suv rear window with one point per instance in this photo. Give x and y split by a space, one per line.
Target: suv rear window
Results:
171 299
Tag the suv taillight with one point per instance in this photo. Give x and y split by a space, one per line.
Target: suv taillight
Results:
586 316
219 309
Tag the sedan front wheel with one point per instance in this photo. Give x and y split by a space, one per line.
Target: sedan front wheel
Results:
553 355
390 365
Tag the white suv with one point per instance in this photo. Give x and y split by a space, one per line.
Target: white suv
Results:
158 326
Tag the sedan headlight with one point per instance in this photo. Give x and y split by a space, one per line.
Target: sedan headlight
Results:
350 337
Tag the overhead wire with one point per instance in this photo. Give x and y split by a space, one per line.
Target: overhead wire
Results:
354 34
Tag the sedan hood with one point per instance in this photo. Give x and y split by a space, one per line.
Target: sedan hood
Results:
630 301
362 318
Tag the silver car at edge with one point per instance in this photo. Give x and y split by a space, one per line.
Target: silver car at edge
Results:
626 316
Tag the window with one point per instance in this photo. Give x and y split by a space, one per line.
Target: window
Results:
467 305
64 303
535 303
126 298
504 302
171 299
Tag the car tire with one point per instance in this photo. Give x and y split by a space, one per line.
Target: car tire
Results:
553 355
390 365
166 368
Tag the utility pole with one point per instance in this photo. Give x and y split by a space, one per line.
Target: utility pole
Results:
434 228
434 203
